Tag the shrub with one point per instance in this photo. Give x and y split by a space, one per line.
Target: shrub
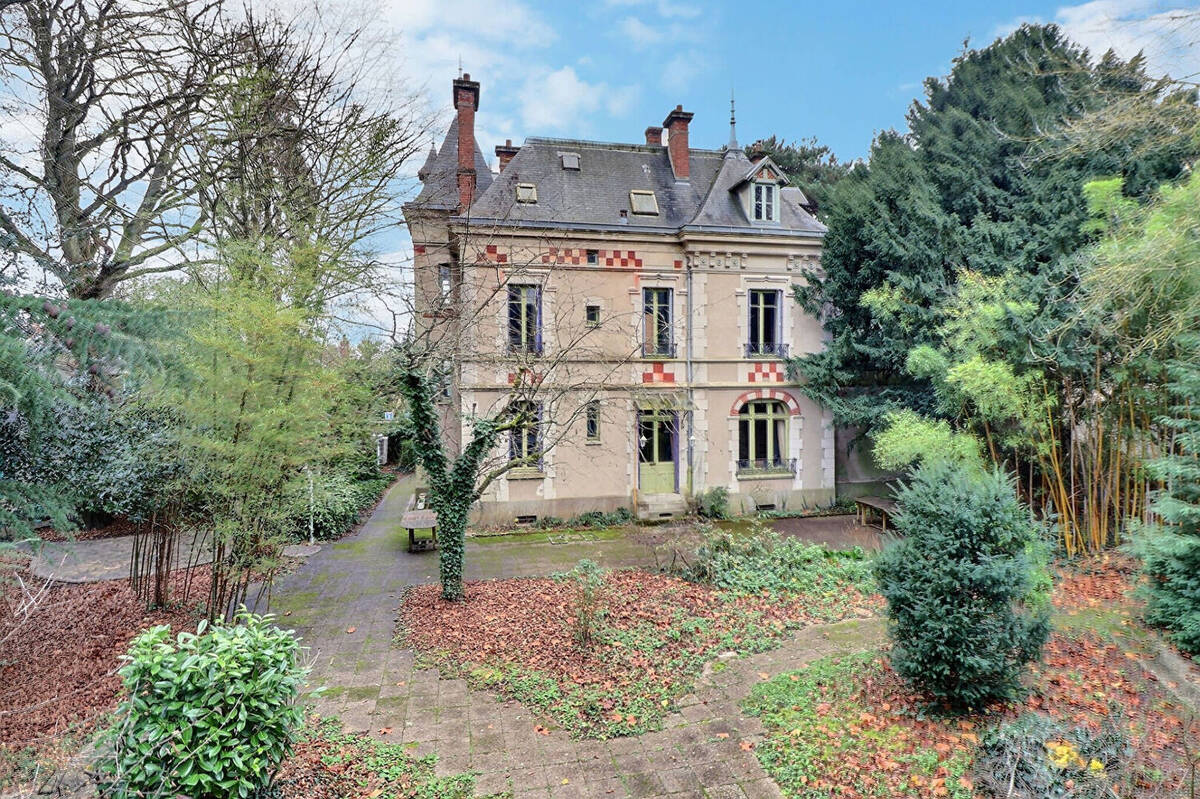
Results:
338 501
588 608
966 607
210 714
713 503
1034 757
764 561
1170 552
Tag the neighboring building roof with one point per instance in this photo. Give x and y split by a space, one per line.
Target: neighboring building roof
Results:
594 195
440 174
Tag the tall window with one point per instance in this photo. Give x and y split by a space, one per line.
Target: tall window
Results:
765 323
593 420
762 436
525 319
656 323
445 284
764 202
525 440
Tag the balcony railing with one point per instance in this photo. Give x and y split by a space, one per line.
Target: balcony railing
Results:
766 349
658 349
524 347
766 467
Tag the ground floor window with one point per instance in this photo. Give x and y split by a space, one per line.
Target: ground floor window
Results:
525 440
763 436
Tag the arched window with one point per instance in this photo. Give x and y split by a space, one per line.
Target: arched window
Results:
763 437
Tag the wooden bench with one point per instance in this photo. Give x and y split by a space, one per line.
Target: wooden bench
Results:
418 516
869 506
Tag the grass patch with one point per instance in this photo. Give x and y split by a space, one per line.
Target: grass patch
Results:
826 737
330 764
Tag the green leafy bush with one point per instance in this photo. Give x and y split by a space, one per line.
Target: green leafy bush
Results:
765 561
966 605
589 520
338 501
1170 552
713 503
1034 757
208 715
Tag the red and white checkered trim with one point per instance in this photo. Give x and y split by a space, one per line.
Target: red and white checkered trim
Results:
577 256
658 374
766 372
766 393
492 253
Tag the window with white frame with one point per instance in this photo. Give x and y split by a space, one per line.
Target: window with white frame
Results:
763 437
525 439
765 202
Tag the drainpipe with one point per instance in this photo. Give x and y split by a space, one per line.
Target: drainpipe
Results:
691 437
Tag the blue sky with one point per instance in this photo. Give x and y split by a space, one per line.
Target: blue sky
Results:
838 71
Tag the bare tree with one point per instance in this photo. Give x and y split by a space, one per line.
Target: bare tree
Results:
103 186
311 158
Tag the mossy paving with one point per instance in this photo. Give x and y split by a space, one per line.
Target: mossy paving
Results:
343 603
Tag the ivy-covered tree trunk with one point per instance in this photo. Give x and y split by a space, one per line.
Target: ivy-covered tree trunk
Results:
452 484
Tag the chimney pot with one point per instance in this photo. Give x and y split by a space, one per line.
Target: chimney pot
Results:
654 135
676 124
505 153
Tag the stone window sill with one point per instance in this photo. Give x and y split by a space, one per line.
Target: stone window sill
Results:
526 473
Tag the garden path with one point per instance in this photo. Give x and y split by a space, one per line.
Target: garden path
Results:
100 559
343 601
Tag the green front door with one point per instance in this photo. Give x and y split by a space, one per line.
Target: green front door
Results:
656 448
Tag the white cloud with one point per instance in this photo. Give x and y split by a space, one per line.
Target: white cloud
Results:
638 33
558 99
1168 36
665 8
681 71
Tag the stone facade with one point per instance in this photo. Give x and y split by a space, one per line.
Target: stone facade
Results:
659 360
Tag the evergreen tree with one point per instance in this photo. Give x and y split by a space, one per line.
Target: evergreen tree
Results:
966 606
1170 551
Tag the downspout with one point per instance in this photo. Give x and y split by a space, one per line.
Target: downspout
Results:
691 392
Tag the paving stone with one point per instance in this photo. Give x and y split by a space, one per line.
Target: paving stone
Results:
357 583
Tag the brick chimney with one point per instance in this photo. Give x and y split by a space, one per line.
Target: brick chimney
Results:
654 135
466 103
505 153
676 124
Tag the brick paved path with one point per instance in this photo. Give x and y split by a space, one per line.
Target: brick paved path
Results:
356 584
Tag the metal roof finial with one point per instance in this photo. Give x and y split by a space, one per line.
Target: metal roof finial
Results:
732 123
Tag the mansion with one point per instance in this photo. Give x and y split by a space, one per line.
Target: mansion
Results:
639 298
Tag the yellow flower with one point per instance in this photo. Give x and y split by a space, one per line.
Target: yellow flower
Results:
1063 754
1095 765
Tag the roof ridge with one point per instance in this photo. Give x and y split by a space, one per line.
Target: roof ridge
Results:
611 145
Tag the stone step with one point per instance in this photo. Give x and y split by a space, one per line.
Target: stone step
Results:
661 507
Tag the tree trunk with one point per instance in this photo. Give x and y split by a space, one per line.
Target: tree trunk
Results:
452 539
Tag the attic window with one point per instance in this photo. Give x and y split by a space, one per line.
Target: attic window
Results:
570 160
526 193
765 202
643 202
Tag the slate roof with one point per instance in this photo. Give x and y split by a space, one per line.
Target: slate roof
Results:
593 196
440 174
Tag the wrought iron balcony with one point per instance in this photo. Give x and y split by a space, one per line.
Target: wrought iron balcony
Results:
766 467
658 349
766 349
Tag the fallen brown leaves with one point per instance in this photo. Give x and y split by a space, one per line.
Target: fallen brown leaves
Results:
1094 582
58 668
526 622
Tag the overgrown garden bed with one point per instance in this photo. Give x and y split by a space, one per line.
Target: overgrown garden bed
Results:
607 653
1095 719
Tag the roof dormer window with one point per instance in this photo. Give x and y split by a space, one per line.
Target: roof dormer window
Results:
570 160
766 202
643 202
526 193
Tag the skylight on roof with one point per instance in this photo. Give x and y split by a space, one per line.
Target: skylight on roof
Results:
643 202
570 160
526 193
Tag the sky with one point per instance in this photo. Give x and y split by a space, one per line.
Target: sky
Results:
606 69
841 72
